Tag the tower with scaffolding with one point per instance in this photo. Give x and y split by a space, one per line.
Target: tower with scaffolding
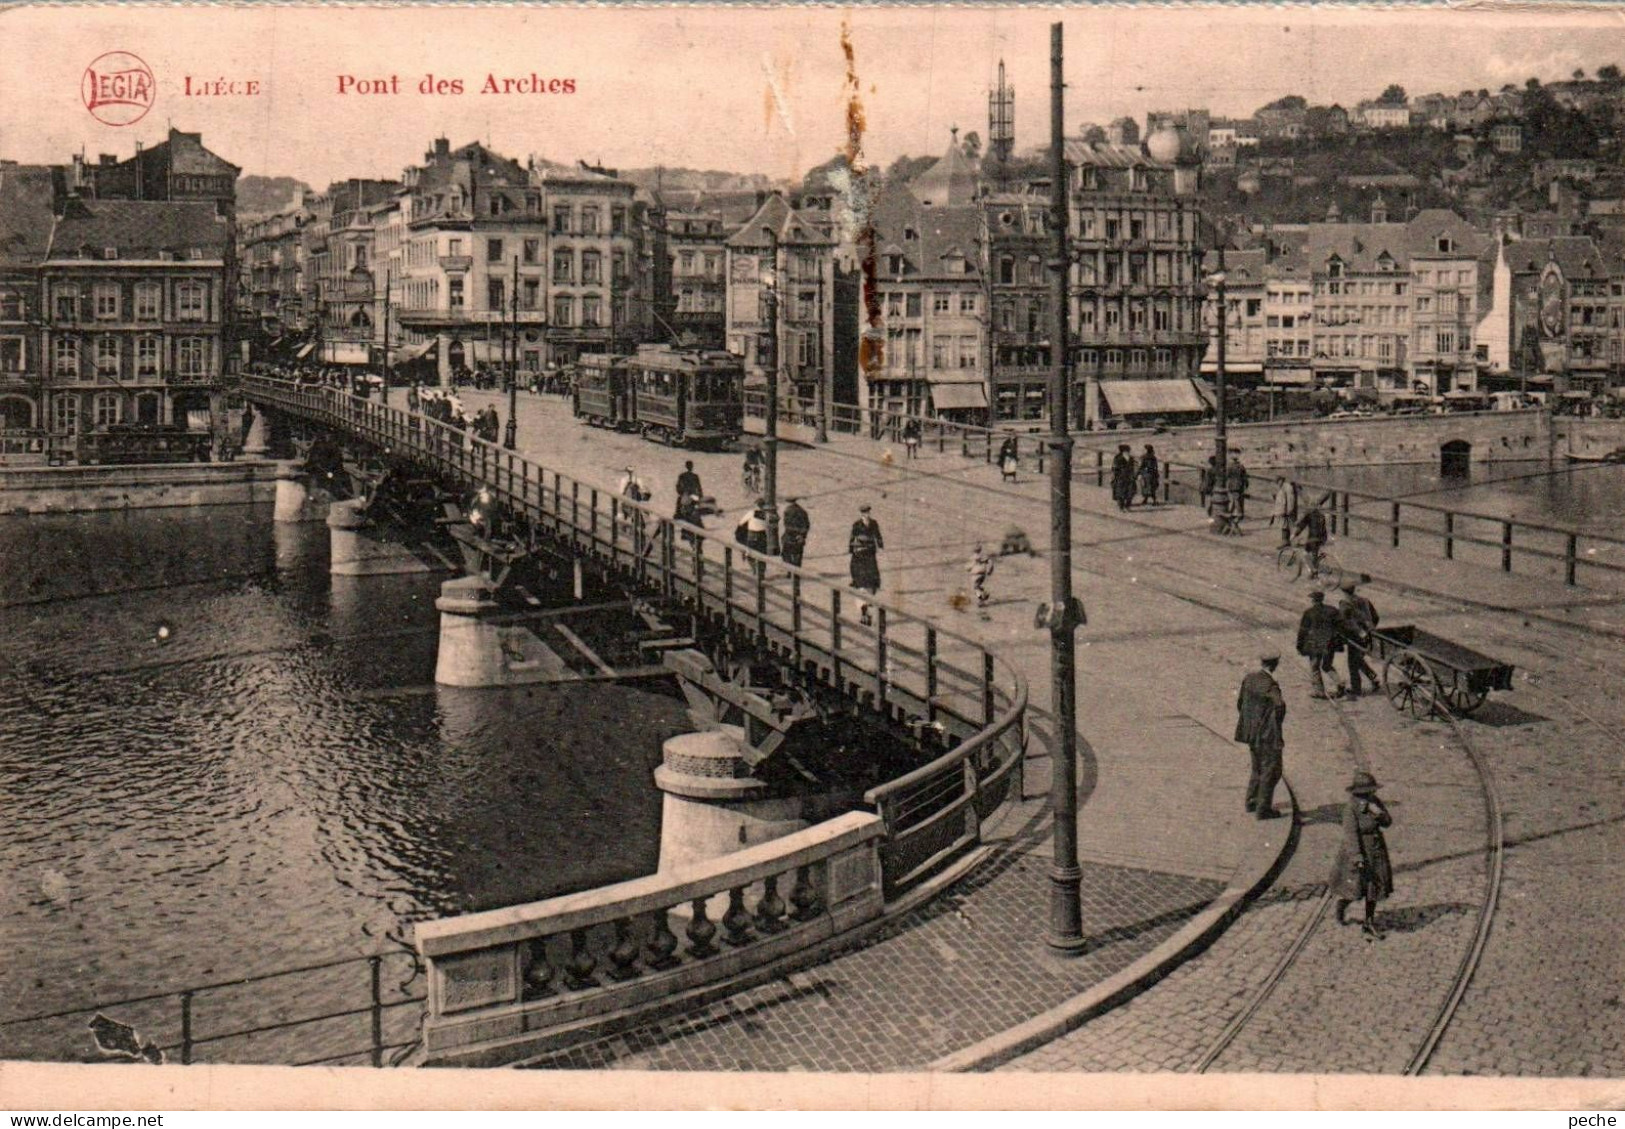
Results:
1001 120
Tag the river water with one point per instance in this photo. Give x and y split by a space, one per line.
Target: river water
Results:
229 763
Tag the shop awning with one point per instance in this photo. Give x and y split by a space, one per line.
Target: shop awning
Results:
1150 397
949 397
408 353
305 350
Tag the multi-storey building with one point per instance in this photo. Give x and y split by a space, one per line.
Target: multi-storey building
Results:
272 256
137 300
1383 115
1136 287
1016 228
1564 303
930 284
1444 251
1245 277
1289 296
178 168
781 283
25 235
349 293
697 255
1362 304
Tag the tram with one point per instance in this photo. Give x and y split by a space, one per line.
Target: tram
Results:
683 397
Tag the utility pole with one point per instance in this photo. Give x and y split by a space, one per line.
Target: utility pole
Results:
1221 452
510 433
1065 614
386 335
770 441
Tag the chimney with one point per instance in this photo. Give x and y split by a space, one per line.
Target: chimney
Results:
1379 210
78 180
442 147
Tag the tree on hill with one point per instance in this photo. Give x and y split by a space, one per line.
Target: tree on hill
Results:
1610 74
817 178
1288 102
1579 74
1393 96
972 145
1094 135
905 169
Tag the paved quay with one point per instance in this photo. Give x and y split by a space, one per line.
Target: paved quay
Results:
1176 617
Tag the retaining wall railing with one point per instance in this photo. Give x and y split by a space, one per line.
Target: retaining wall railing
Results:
961 697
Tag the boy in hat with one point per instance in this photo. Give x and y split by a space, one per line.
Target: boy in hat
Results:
1260 709
1363 870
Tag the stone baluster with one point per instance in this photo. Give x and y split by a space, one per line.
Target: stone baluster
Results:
804 896
770 910
736 923
701 931
538 974
624 956
663 945
578 969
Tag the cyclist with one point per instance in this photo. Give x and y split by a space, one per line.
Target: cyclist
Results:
1313 527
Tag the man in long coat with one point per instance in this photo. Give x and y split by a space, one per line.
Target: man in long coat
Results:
795 527
1123 477
1260 710
1320 637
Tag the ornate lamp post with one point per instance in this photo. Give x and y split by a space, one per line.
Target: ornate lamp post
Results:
1221 453
770 441
510 438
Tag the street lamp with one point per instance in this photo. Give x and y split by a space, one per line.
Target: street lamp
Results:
1220 502
510 435
770 440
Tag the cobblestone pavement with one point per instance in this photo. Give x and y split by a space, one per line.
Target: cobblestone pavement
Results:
966 966
1172 609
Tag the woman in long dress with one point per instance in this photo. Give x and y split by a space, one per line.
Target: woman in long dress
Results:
1363 870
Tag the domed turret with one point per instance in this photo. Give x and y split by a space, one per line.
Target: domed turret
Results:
1165 145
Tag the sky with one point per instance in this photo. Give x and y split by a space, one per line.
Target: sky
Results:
741 89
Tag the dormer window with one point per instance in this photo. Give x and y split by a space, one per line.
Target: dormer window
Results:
910 234
1334 268
894 264
109 252
1446 245
1384 262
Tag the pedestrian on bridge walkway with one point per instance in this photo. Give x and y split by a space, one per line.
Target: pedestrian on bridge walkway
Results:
797 526
864 545
1260 709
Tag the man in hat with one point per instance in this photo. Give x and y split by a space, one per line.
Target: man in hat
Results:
1320 634
1123 477
1313 527
1260 709
864 545
1359 620
1363 870
688 482
1236 482
795 527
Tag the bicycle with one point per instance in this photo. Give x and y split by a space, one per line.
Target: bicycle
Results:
1294 559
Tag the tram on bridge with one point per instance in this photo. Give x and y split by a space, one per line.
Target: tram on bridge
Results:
683 397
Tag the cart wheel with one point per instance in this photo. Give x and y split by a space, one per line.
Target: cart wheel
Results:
1408 681
1289 561
1463 700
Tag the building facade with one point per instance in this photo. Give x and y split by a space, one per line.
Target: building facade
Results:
1016 227
697 254
26 195
1136 286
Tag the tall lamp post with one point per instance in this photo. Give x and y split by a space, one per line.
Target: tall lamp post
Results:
1221 452
770 441
1065 614
510 438
386 336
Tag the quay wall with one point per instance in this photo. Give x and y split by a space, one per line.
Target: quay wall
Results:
79 489
1493 436
1590 436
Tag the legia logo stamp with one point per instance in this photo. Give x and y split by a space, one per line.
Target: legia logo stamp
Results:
118 88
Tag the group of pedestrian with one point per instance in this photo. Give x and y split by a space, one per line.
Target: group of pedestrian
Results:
1235 480
1362 871
1129 473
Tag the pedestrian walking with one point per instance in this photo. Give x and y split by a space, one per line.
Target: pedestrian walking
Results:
1150 475
688 512
864 546
1320 634
1206 481
1009 459
1359 620
980 569
911 438
688 482
1123 477
1260 711
751 531
631 487
794 527
1284 508
1363 871
1236 481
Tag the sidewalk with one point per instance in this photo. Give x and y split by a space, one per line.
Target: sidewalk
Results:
1176 618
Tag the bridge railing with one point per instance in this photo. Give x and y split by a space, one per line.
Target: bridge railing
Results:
963 698
495 978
